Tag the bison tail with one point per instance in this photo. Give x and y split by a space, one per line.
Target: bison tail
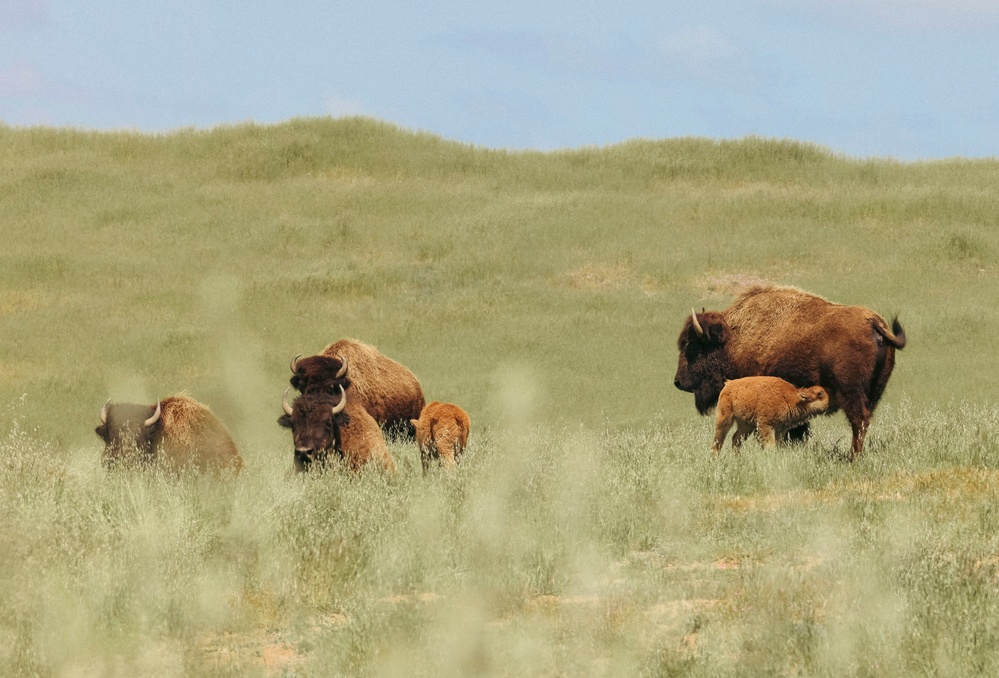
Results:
895 337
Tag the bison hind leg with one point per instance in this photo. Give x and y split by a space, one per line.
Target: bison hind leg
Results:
722 425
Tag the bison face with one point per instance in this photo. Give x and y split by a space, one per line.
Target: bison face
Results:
315 422
319 374
131 434
703 366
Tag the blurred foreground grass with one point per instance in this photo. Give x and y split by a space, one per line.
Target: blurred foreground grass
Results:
553 551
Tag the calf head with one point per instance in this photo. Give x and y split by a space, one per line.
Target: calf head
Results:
319 374
704 364
315 421
814 399
131 433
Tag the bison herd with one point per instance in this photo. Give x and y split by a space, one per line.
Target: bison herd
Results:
769 362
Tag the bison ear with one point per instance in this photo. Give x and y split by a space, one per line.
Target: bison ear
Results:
284 420
102 432
295 381
414 422
715 331
803 396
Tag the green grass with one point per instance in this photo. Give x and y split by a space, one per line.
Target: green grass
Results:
588 530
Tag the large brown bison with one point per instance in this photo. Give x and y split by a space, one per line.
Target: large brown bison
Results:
441 433
389 391
800 337
177 433
323 424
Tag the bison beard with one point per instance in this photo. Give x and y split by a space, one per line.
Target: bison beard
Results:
322 424
802 338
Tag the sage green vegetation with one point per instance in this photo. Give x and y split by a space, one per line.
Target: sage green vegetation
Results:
588 530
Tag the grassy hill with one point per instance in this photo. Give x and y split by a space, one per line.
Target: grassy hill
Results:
588 531
135 266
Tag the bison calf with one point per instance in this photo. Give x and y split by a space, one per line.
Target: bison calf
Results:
321 423
177 432
769 405
441 433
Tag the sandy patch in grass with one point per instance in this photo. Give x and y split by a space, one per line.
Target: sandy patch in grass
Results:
16 301
598 276
950 483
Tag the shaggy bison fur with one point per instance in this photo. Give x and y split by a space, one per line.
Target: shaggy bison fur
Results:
388 390
323 425
177 433
802 338
769 405
441 433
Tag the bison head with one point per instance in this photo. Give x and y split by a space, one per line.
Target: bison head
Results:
319 374
704 364
315 422
131 433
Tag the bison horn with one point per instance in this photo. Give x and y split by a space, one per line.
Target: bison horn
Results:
337 409
294 361
104 412
156 416
696 325
284 403
343 369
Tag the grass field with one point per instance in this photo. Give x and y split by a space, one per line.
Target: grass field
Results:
588 531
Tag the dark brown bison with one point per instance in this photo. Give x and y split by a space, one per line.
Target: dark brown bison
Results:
389 391
802 338
441 433
177 433
323 424
768 405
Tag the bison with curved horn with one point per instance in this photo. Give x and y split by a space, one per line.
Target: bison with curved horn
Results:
388 390
800 337
322 424
177 433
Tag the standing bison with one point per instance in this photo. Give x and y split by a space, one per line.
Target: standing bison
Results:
802 338
389 391
177 433
441 433
769 405
322 424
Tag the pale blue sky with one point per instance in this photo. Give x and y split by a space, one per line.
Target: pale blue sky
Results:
908 79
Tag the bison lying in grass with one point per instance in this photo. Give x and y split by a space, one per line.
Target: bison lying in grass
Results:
769 405
177 433
441 433
322 424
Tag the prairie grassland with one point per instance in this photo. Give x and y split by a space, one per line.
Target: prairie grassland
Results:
588 530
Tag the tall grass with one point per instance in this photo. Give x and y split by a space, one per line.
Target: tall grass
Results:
588 530
554 550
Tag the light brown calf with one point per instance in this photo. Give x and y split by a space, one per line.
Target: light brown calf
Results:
441 433
769 405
